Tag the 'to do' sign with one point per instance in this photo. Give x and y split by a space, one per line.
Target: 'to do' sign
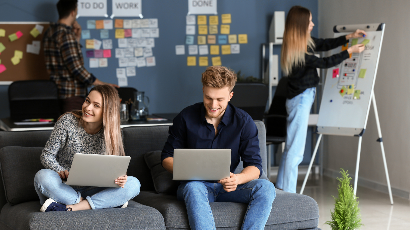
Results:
88 8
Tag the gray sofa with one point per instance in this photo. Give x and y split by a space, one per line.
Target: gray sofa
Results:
156 207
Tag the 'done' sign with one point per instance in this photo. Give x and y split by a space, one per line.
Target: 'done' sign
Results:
202 7
92 8
127 8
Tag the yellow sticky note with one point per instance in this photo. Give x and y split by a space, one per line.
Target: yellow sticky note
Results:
213 29
243 38
99 24
211 39
119 33
356 95
34 32
350 89
216 61
232 38
15 60
203 61
201 40
226 49
2 47
201 20
226 18
343 91
191 61
2 32
365 41
202 29
89 44
354 41
13 37
362 73
225 29
215 50
18 54
213 20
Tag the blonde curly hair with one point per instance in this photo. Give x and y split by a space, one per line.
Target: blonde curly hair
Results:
219 77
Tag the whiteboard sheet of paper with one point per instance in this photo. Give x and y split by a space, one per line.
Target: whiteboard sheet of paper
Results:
141 62
122 81
97 44
121 72
139 52
123 62
191 20
180 49
127 24
122 43
132 61
147 52
39 28
107 44
141 42
153 22
146 33
119 53
135 23
131 72
203 50
128 52
150 61
193 49
144 23
103 62
154 33
136 33
235 49
132 42
94 63
108 24
190 30
150 42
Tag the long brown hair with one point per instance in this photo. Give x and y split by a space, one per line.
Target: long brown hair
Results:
296 39
111 119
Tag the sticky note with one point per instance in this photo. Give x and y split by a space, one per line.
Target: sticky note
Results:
243 38
213 29
214 50
225 29
201 40
235 49
350 89
226 18
216 61
90 53
127 33
13 37
222 39
107 53
232 38
203 61
190 20
365 41
362 73
202 29
18 53
343 91
226 49
34 32
99 24
2 47
19 34
179 50
190 29
85 34
108 24
189 40
103 62
345 46
89 44
354 41
211 39
119 23
356 95
91 24
15 60
2 68
119 33
98 53
191 61
201 20
213 20
203 50
335 73
104 34
2 32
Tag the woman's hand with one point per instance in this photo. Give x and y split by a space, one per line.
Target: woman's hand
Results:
357 34
356 49
63 174
120 181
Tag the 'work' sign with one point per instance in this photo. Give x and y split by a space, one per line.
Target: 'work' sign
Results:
127 8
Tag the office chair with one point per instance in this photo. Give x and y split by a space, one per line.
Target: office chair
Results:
33 99
252 98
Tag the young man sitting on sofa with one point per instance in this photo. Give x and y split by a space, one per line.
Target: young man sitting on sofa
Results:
216 124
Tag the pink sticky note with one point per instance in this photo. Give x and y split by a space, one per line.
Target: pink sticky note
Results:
127 33
107 53
335 73
2 68
19 34
98 53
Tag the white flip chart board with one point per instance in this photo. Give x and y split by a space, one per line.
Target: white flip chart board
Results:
349 86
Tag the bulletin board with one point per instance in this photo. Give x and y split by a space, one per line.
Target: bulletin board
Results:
349 86
31 66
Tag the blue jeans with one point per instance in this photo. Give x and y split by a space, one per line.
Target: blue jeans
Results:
298 109
48 184
258 194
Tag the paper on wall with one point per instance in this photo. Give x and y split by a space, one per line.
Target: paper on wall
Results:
40 28
193 49
139 52
131 71
97 44
104 34
203 50
119 23
103 62
153 22
107 44
132 61
85 34
121 72
122 43
2 32
107 53
128 52
147 52
154 32
150 61
145 23
123 62
119 33
122 81
94 63
146 33
91 24
235 48
34 48
190 20
136 33
180 49
141 42
108 24
127 33
98 53
127 24
89 44
135 23
190 30
141 62
132 42
119 53
150 42
191 61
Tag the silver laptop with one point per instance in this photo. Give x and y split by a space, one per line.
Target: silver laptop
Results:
97 170
201 164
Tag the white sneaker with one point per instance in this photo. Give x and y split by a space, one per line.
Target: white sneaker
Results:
46 204
125 205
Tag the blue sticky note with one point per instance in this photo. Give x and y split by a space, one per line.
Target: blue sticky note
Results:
222 39
90 53
189 40
85 34
91 24
104 34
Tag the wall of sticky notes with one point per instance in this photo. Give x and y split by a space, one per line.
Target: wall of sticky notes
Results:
21 54
348 89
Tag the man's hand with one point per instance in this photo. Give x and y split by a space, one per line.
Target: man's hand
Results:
230 183
63 174
120 181
77 30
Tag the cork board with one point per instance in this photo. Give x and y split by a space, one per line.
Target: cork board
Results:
31 66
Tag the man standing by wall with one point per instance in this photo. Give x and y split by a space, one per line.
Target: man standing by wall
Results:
64 60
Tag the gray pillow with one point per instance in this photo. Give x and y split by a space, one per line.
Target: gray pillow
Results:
18 167
162 179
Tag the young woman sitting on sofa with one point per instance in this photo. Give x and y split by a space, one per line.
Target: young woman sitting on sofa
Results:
93 130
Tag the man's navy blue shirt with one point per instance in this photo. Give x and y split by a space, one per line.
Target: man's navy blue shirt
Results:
236 131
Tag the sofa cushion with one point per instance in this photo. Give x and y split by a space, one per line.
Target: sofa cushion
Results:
18 167
28 216
289 211
162 179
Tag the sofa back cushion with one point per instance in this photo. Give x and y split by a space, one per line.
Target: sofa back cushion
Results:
18 167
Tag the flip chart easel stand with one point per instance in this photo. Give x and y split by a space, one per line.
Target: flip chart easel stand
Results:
380 140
